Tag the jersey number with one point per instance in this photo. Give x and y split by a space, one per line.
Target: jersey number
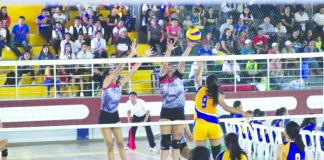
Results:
204 101
297 156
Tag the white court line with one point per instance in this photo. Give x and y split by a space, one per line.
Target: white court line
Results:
145 155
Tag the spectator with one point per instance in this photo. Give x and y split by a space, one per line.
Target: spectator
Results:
20 33
6 22
308 37
318 18
123 44
260 42
173 32
25 69
291 63
248 48
58 36
210 21
116 29
312 62
44 54
217 51
275 48
112 21
227 42
3 39
196 18
247 17
49 82
288 19
297 41
77 45
97 27
207 44
231 68
84 53
44 22
281 32
98 46
301 18
228 24
275 67
89 17
308 124
66 52
237 105
187 23
77 28
104 25
252 74
200 153
67 39
155 36
239 27
318 43
267 27
59 16
240 40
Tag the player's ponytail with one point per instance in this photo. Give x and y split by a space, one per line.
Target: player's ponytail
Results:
212 87
292 130
232 144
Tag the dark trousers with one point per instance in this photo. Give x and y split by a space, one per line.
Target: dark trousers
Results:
15 44
148 130
46 33
102 54
56 46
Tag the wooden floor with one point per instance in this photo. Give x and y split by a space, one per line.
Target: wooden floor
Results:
76 150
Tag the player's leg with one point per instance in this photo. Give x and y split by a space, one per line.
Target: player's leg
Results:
165 139
107 135
177 132
118 134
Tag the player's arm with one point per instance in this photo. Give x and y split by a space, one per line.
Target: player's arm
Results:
164 68
198 75
181 66
229 108
188 133
280 150
129 116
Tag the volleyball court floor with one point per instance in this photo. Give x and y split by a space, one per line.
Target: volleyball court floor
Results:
78 150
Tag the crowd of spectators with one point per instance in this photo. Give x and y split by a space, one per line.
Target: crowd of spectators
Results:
227 29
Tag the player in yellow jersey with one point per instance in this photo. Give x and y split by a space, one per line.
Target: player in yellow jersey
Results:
233 150
206 121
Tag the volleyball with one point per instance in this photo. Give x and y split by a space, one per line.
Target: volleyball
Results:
193 34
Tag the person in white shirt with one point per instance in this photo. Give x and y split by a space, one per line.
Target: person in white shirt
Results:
59 16
78 43
96 27
3 35
319 17
228 24
229 68
77 28
98 46
141 113
302 18
267 27
67 39
84 53
119 26
57 36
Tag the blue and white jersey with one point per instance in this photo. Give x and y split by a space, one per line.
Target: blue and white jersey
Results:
172 91
110 98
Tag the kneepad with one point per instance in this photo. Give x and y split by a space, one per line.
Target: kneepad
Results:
176 144
4 153
165 141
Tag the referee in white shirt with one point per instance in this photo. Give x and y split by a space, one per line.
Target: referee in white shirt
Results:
141 113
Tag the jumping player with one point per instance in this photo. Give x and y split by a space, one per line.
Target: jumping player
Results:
206 120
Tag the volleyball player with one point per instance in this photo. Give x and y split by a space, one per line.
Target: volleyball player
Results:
206 120
111 94
233 150
294 148
184 149
173 102
3 147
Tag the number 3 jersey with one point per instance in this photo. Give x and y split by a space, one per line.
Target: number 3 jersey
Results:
172 91
110 98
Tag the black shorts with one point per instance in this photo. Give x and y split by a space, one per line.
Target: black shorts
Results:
183 145
108 118
172 114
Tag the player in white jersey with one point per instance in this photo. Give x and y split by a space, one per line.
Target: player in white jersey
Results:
173 102
111 95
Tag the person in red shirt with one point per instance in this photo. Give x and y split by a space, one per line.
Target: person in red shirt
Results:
260 42
174 35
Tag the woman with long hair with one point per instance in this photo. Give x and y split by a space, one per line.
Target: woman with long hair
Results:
110 98
233 150
6 22
173 103
294 148
206 121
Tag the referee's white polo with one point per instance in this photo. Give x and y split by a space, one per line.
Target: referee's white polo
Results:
139 109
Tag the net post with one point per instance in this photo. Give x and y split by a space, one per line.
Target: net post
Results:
129 80
92 82
268 73
16 80
235 76
54 78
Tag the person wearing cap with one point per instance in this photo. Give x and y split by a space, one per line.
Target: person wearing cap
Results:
228 24
247 50
122 44
94 28
274 48
98 46
291 63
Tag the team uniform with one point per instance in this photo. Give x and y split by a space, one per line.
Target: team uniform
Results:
110 98
309 127
291 152
206 122
225 155
259 134
183 142
173 97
